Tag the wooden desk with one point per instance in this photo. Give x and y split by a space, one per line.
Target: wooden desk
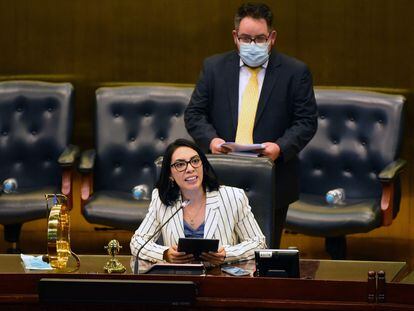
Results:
325 285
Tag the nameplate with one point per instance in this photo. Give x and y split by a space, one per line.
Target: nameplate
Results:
116 291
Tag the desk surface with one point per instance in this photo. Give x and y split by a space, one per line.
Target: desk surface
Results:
324 284
340 270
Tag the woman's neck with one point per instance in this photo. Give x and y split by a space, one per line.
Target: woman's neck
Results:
194 196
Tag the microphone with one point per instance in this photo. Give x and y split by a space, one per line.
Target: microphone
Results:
9 185
136 264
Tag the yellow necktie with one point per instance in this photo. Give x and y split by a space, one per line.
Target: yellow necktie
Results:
250 100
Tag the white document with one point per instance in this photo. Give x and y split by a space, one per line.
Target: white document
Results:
235 147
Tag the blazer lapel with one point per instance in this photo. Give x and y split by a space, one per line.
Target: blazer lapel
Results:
232 72
268 84
212 214
176 223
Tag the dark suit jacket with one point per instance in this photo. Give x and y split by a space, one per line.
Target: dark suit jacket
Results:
286 112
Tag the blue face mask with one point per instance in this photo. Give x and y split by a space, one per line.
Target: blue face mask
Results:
254 55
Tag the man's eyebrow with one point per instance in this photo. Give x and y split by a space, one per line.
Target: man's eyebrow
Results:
247 35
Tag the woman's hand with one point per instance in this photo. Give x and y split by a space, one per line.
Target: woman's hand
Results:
215 258
174 256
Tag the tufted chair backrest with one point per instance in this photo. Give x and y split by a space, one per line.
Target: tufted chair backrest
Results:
134 125
358 134
35 128
256 177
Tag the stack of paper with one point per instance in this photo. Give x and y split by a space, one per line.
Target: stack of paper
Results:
31 262
250 150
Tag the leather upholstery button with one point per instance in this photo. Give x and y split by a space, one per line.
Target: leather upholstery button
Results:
162 138
34 132
132 138
322 117
50 109
116 115
147 114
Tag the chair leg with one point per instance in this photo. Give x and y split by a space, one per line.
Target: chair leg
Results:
280 222
12 235
336 247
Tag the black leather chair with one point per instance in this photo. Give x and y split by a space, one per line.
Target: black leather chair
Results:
256 177
35 127
134 125
356 147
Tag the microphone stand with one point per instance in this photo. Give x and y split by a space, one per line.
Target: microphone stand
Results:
136 264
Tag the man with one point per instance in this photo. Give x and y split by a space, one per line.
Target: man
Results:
256 95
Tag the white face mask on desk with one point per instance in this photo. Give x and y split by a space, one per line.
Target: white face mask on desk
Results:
254 55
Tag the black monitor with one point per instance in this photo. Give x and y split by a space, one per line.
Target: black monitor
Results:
277 263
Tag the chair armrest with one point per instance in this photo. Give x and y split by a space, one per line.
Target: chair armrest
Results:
387 177
86 166
87 161
69 156
67 161
392 170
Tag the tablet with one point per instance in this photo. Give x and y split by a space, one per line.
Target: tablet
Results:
197 246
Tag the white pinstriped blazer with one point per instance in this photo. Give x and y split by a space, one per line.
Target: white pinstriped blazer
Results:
228 218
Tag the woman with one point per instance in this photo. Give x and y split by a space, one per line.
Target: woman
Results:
214 212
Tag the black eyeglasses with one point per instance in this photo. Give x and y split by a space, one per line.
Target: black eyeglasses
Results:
258 40
181 165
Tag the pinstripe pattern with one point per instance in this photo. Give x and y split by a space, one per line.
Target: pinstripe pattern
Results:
228 218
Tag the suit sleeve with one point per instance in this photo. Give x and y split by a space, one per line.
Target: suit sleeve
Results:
152 251
304 116
196 116
247 230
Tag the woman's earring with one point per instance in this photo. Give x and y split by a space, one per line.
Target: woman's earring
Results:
172 182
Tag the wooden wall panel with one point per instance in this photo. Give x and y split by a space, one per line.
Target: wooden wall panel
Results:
362 43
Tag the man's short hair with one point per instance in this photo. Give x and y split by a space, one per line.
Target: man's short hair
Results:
254 10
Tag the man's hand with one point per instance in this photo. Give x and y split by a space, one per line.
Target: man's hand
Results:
174 256
215 258
215 145
271 150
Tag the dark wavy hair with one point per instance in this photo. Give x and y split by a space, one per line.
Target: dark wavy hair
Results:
256 11
168 190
